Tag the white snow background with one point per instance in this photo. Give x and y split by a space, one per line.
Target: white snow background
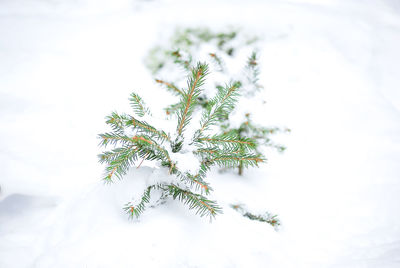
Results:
331 70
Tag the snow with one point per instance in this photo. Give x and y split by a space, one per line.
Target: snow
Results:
330 71
186 161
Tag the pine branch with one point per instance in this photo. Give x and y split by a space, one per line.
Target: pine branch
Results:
171 87
261 134
108 157
178 59
145 128
197 182
114 138
119 166
220 106
119 160
229 141
253 72
137 210
232 161
266 217
218 62
208 151
138 105
189 98
156 150
117 122
199 203
202 185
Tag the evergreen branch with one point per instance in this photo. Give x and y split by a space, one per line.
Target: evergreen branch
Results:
196 181
202 205
170 86
157 151
270 219
108 157
152 146
220 106
232 161
120 159
208 151
252 60
266 217
253 72
113 138
230 141
279 147
229 95
216 140
139 139
138 105
137 210
204 168
189 98
117 122
204 186
148 129
120 165
143 143
218 61
256 159
261 134
178 59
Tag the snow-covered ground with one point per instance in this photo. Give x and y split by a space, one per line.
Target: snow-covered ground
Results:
332 74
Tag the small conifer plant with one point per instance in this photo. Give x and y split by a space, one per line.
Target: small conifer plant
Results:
191 44
134 138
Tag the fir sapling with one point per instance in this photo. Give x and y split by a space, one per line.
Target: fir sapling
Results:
184 155
192 44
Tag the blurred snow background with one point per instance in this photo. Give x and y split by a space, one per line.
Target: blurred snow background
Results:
332 74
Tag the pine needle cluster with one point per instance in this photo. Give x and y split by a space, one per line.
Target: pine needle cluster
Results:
133 138
222 47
